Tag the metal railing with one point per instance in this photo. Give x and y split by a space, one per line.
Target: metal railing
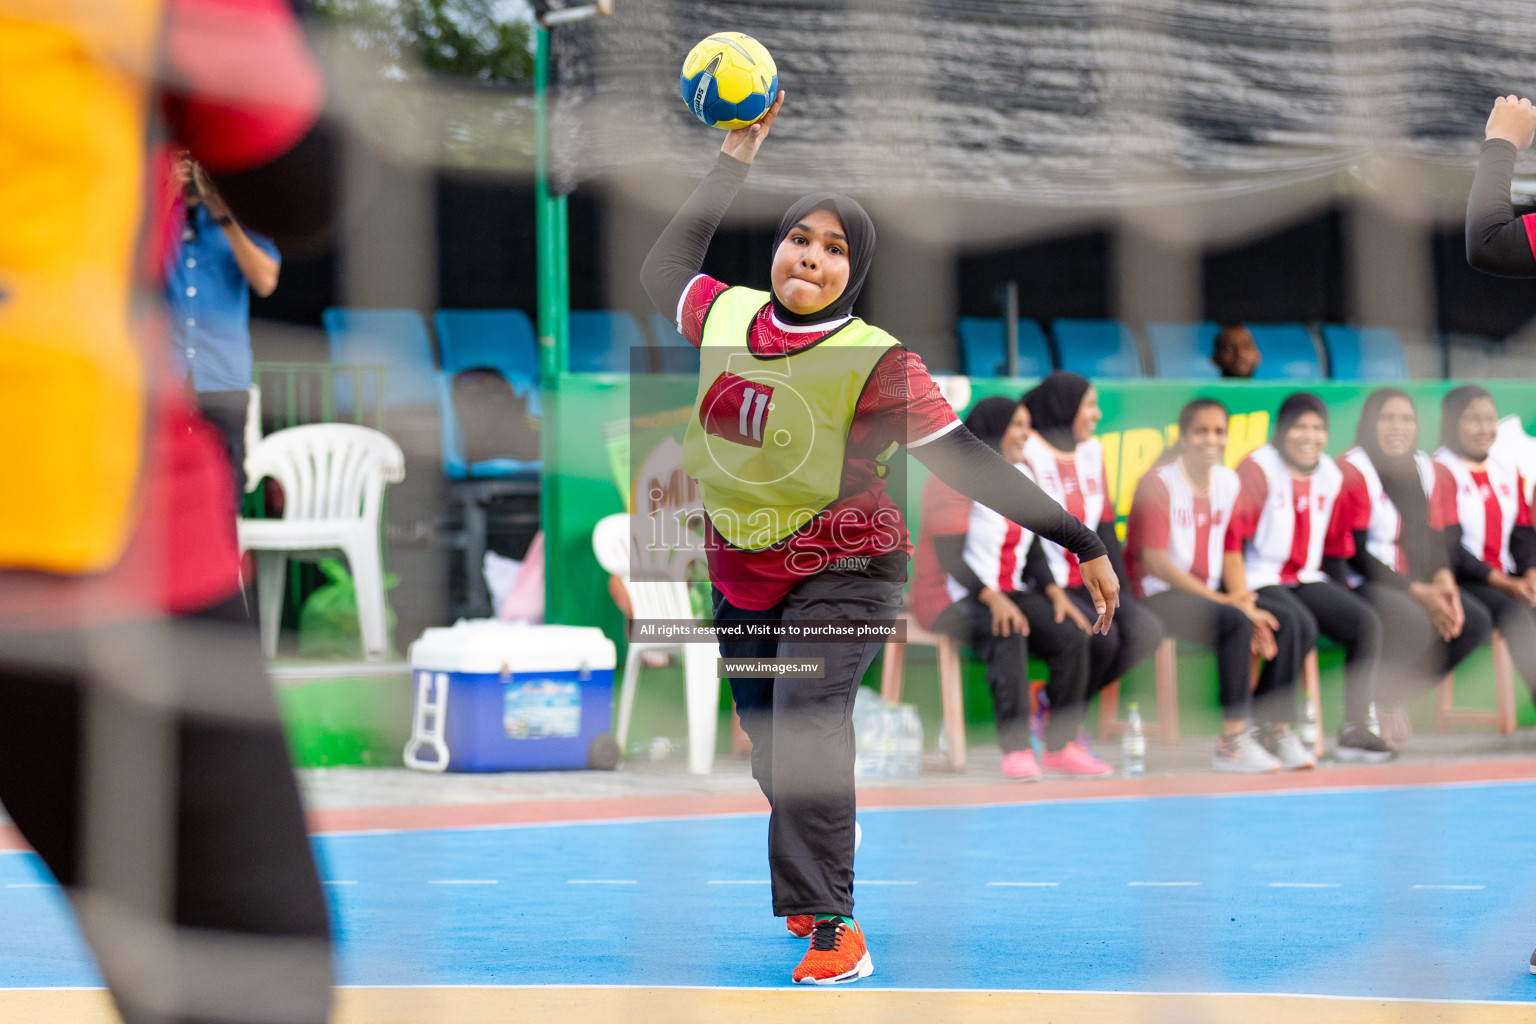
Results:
294 393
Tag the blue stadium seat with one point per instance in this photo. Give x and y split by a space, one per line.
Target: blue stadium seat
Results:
454 465
498 338
1288 351
395 338
502 339
674 353
1096 348
602 339
1183 351
1364 353
983 348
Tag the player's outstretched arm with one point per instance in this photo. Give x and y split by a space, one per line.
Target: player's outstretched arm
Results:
1497 240
970 466
678 254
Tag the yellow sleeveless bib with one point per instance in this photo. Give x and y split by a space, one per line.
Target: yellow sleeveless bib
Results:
769 434
74 88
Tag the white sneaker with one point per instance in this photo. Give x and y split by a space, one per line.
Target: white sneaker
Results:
1242 753
1283 742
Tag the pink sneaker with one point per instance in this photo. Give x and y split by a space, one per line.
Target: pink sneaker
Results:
1021 764
1073 759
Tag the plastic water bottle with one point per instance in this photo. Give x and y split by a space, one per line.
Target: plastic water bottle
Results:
909 742
1133 744
869 735
1372 721
1308 723
1037 723
657 748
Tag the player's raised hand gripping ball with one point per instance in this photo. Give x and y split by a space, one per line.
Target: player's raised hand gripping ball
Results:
729 80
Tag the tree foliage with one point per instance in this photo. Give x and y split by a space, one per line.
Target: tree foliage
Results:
465 38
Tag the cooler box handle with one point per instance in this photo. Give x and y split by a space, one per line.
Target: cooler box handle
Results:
428 723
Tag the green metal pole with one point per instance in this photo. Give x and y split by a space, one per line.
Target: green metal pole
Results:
553 274
562 233
546 214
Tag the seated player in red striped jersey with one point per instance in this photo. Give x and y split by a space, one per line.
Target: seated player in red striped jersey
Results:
1489 535
1068 463
1186 566
1397 502
1287 517
968 583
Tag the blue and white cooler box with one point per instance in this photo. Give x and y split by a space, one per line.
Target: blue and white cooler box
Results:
491 696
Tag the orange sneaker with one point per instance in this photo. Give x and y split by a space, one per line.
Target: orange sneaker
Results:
837 955
800 925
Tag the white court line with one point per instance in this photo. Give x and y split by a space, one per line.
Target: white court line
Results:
1163 885
1303 885
329 881
870 881
463 881
599 881
1026 885
738 881
29 885
1448 887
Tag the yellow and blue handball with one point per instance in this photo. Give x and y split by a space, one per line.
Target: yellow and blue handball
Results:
729 80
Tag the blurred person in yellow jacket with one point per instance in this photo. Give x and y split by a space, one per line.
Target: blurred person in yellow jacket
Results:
140 750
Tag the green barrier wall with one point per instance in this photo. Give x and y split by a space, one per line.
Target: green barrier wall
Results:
594 430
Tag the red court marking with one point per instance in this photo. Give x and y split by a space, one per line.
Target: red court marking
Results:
959 795
534 812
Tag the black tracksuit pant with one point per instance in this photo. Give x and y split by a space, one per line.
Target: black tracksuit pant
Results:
1334 610
1415 659
1063 646
802 731
1229 632
146 765
1515 621
1132 638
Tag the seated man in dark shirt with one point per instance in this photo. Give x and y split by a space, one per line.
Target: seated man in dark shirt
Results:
1235 353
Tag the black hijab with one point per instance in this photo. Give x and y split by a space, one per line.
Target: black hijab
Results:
989 420
1399 478
1053 405
1290 411
1452 406
861 252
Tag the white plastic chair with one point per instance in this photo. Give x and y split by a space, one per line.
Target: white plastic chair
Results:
613 544
333 477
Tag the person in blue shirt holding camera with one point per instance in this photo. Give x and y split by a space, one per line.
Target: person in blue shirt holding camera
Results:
209 276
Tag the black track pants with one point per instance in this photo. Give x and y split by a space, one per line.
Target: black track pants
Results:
802 731
1132 638
1333 610
1415 659
1515 622
1221 627
1062 645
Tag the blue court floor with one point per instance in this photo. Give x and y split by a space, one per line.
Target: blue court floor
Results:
1413 893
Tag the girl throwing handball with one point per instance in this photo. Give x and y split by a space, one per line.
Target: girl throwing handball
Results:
797 400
